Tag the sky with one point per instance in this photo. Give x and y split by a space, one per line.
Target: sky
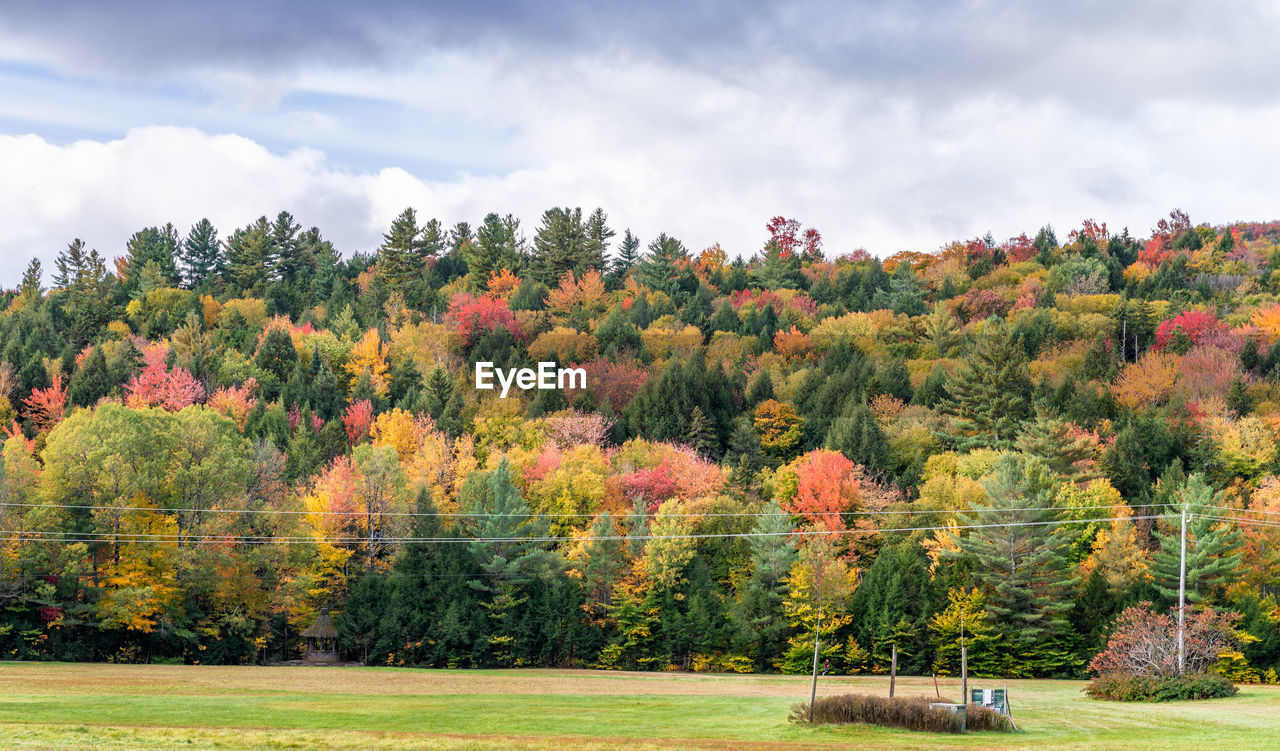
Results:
887 125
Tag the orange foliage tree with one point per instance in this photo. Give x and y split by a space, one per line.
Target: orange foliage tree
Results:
1147 382
46 406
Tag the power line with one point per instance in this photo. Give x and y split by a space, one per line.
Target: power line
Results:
1274 524
1243 510
570 515
59 536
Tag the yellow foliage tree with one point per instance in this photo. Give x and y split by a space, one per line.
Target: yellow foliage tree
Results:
369 356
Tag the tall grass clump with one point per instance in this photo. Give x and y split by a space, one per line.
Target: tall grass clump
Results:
908 713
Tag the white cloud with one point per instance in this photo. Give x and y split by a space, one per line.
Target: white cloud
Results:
664 149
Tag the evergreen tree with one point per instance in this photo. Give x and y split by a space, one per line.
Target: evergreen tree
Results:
726 318
153 245
498 246
761 388
858 437
628 254
278 358
660 269
325 394
200 254
617 333
249 258
290 258
700 437
400 255
85 291
91 381
990 396
1018 556
934 389
779 270
30 288
761 628
497 511
892 605
598 235
1213 555
905 292
560 246
893 379
1047 438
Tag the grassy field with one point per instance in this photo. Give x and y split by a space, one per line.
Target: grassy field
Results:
57 706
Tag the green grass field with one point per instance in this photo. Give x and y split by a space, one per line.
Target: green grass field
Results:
56 706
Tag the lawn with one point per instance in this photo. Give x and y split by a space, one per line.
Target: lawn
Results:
57 706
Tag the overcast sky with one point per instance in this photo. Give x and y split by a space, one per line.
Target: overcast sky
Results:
886 125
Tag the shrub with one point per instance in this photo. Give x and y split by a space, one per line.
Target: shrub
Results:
910 713
1160 688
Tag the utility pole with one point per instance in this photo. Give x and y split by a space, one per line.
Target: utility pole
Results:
893 669
813 689
964 676
1182 598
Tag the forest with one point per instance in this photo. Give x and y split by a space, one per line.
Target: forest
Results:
210 439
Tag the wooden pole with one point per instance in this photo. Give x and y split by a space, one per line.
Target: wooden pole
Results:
813 689
1182 597
964 687
893 670
935 686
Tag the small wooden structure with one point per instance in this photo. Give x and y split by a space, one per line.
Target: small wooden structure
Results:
322 640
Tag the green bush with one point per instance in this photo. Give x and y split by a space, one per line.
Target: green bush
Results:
910 713
1166 688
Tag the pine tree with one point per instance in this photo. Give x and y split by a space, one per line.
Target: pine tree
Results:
1213 554
761 388
1017 554
288 257
498 246
399 256
85 300
91 381
200 254
990 396
1047 438
660 269
153 245
497 511
856 435
460 236
892 605
560 245
893 379
761 628
905 292
249 258
726 318
628 254
700 436
597 242
325 394
617 334
30 288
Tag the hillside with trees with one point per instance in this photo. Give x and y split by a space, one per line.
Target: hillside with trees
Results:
216 435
